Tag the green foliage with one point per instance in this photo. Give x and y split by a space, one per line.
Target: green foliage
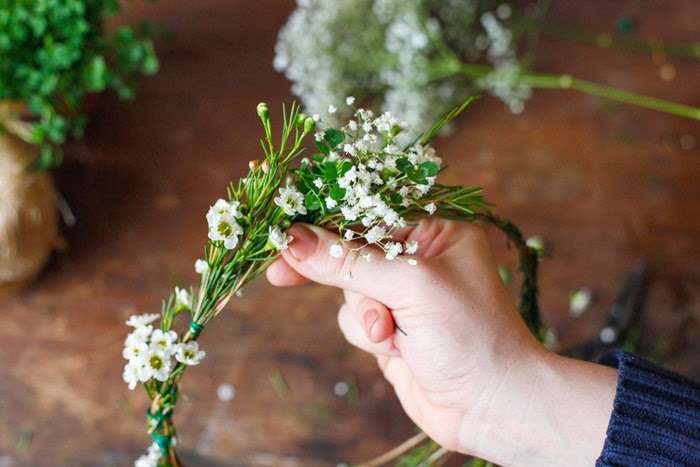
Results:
55 52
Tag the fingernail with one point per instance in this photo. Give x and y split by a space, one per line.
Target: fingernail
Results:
371 317
304 243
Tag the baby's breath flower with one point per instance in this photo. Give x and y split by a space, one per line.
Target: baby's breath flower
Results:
332 109
350 100
189 353
349 235
336 250
412 262
280 240
330 202
393 249
375 234
291 201
137 321
431 208
411 247
318 183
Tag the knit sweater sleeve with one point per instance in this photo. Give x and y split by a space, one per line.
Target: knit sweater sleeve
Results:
655 419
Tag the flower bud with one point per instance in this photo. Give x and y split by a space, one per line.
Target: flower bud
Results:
265 167
252 165
263 111
301 118
309 125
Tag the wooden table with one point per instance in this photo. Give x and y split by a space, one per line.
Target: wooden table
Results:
605 185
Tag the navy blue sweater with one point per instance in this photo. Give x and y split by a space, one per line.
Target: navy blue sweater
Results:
655 419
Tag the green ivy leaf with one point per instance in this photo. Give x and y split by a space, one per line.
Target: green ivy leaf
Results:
322 147
337 193
404 165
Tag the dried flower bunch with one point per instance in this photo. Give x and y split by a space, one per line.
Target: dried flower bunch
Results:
359 182
54 53
417 58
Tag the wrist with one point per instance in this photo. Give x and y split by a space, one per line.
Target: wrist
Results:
544 409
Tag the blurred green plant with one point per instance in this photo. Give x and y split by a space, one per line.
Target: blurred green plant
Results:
54 53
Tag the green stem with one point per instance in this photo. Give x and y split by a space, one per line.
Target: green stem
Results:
564 81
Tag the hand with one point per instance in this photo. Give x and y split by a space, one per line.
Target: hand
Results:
467 371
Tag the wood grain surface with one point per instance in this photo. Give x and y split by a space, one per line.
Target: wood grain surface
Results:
605 185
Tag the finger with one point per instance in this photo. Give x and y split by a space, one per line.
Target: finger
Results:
310 255
281 274
376 320
357 336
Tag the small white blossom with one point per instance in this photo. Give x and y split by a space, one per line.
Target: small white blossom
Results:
318 183
291 201
336 250
189 353
183 299
135 373
330 202
135 348
150 459
201 266
367 256
350 100
316 118
375 234
137 321
411 247
332 109
223 227
412 262
431 208
349 235
163 341
158 365
280 240
393 249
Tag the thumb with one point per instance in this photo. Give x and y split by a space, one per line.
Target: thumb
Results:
310 255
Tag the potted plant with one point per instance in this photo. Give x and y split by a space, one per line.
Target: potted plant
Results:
54 55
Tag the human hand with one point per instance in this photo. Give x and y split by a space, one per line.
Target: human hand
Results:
467 371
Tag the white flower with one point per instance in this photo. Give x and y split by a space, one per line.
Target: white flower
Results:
158 365
291 201
318 183
330 202
223 227
350 100
393 249
431 208
411 247
375 234
336 250
367 256
222 207
150 459
331 109
280 240
412 262
349 235
316 117
163 341
137 321
201 266
134 373
189 353
183 299
135 348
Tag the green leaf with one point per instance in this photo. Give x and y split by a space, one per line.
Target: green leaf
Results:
330 170
333 137
344 167
96 74
395 198
337 193
322 147
318 157
312 202
404 165
429 169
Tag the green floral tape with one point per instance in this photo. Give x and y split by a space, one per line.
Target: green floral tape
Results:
195 329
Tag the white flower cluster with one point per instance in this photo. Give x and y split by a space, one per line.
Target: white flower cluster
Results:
393 49
222 223
376 180
150 352
150 459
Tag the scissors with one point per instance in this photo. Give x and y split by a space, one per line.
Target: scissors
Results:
622 317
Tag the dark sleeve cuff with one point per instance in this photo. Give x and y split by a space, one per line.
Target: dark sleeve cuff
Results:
655 419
